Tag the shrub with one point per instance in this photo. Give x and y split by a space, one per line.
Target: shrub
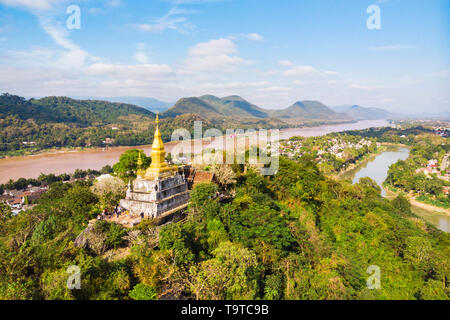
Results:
143 292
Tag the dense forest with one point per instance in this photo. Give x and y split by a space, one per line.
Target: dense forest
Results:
28 126
334 152
429 188
295 235
393 135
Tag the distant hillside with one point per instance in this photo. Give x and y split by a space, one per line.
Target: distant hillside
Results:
67 110
29 126
151 104
235 106
313 110
213 107
363 113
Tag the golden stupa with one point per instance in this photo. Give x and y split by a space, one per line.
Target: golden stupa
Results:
160 190
159 167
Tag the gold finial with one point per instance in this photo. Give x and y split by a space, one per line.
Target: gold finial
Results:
140 172
158 168
139 162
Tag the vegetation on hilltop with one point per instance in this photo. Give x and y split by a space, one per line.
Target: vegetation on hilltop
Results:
313 110
295 235
28 126
404 175
333 153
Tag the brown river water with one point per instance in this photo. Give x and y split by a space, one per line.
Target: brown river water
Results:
69 161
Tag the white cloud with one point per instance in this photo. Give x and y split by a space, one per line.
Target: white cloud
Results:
33 4
299 71
142 53
233 85
141 57
213 47
365 87
274 89
219 54
303 71
193 1
146 72
173 20
106 5
113 3
441 74
395 47
73 56
285 63
254 37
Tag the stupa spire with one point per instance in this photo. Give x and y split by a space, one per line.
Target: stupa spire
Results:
158 167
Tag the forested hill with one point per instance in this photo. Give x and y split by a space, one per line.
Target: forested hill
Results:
67 110
364 113
297 235
29 126
309 110
213 107
238 108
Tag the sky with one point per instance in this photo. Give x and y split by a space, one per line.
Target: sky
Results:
272 53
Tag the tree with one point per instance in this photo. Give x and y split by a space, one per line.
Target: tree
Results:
402 205
79 201
231 274
418 251
143 292
114 233
109 190
106 169
79 174
179 238
201 195
127 166
273 289
45 230
5 211
224 174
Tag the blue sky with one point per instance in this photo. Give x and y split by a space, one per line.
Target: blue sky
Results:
272 53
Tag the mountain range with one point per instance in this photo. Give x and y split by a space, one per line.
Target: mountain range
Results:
151 104
227 110
214 108
363 113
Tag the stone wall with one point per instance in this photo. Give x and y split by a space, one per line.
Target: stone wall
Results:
154 198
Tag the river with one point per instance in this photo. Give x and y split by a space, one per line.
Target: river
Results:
377 168
69 161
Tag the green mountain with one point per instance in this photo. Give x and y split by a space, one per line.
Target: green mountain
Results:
151 104
213 107
67 110
237 108
311 110
363 113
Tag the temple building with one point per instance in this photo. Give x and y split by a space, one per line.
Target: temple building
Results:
161 189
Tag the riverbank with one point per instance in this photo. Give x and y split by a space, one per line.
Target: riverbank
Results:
66 150
59 161
359 163
416 203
